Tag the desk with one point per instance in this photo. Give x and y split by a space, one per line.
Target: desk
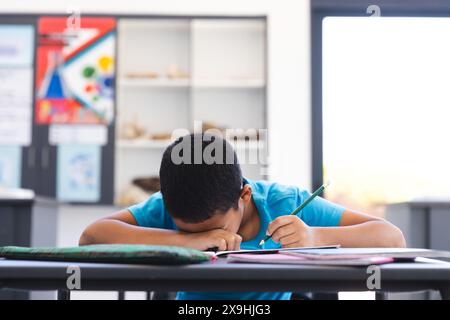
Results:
223 276
424 223
26 220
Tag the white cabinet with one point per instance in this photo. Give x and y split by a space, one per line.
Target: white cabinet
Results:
174 73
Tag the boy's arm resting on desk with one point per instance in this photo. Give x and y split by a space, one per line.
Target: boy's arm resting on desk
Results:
361 230
122 227
354 230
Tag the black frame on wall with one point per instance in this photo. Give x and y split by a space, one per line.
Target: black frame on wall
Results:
351 8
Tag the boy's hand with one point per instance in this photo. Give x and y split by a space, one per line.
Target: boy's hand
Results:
219 238
291 232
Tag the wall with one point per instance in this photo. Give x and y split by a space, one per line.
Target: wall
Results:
288 55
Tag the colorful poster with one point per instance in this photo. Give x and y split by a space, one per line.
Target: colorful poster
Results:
10 166
78 173
75 71
16 84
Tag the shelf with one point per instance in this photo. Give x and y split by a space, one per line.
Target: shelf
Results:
223 62
143 144
250 145
229 83
162 144
228 49
197 83
156 83
161 25
237 25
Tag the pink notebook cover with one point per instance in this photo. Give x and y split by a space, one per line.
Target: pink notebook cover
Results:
283 258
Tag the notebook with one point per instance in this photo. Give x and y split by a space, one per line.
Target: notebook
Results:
268 251
340 256
396 253
287 258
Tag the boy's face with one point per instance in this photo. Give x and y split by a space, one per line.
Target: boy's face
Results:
229 221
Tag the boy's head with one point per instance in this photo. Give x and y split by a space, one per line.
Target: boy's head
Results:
202 184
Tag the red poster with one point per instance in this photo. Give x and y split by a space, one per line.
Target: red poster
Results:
75 71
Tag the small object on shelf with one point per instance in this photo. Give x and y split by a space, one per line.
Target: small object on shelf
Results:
212 126
245 135
131 195
161 136
132 130
138 191
149 184
174 72
139 75
232 134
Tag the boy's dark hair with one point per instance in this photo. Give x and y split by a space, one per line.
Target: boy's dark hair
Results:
194 188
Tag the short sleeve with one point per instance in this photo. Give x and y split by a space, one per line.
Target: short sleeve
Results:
152 213
320 212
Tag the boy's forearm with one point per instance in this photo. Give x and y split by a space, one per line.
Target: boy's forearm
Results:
368 234
110 231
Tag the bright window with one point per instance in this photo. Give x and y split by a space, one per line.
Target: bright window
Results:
386 110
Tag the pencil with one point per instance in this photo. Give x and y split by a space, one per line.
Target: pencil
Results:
300 207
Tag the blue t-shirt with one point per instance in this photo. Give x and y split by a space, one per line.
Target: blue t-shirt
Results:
271 200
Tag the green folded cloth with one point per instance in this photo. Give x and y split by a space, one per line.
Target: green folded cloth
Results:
114 253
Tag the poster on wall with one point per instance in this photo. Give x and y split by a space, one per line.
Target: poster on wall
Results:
16 84
10 165
78 173
75 71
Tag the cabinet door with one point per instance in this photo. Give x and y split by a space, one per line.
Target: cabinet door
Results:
29 167
39 164
107 168
47 165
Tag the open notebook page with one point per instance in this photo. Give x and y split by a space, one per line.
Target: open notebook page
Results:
262 251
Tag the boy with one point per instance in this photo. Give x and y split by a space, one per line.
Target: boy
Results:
205 202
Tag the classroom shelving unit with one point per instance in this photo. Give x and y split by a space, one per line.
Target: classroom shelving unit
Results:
175 72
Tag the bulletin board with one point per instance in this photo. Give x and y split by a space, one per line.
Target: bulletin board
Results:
16 84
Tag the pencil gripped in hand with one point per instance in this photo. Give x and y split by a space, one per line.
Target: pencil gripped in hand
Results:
300 207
